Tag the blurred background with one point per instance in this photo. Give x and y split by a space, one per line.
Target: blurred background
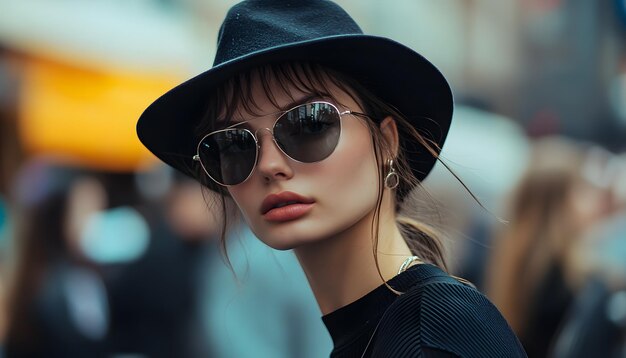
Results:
104 252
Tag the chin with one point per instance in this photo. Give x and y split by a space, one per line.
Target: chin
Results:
288 243
281 246
290 236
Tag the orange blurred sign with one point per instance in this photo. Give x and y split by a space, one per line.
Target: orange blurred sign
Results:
87 116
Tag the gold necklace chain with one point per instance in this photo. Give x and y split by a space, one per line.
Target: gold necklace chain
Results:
405 265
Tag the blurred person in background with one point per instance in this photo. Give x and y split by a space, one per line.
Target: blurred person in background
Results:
149 270
341 139
57 303
98 270
530 274
596 324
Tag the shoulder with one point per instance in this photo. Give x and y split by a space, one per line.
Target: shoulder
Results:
449 317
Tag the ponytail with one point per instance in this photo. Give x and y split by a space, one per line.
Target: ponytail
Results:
423 240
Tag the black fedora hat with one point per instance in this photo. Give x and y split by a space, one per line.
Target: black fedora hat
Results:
259 32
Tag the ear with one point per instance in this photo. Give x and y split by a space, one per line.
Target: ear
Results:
389 129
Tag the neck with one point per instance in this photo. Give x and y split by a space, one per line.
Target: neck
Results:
342 268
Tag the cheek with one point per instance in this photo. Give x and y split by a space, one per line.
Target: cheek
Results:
244 197
347 180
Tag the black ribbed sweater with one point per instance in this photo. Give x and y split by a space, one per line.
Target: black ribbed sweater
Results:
437 316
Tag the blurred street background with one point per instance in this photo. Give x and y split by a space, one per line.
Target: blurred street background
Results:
105 252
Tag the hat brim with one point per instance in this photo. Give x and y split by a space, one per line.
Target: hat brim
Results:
392 71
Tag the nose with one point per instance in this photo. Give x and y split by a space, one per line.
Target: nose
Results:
272 163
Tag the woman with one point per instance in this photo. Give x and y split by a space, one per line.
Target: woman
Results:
535 274
318 133
47 316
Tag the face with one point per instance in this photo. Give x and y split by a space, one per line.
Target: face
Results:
334 194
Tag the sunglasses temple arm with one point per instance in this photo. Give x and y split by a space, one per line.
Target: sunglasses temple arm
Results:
358 114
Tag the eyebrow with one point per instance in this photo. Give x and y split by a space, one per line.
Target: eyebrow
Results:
282 109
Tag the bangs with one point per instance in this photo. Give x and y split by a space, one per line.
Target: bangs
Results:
235 100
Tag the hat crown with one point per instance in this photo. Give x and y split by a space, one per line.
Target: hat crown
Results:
257 25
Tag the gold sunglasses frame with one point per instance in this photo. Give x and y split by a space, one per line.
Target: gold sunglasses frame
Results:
196 157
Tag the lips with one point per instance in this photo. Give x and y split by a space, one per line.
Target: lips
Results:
283 199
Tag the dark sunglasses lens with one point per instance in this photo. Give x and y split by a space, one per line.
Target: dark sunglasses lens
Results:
228 156
309 133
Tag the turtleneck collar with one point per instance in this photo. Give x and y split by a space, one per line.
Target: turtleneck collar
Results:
349 322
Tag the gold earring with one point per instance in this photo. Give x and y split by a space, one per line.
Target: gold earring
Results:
392 180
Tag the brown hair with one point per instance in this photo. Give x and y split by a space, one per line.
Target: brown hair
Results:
541 232
236 94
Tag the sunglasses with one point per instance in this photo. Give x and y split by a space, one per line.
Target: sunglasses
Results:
307 133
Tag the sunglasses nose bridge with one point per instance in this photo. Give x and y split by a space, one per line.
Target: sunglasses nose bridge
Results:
256 133
258 137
